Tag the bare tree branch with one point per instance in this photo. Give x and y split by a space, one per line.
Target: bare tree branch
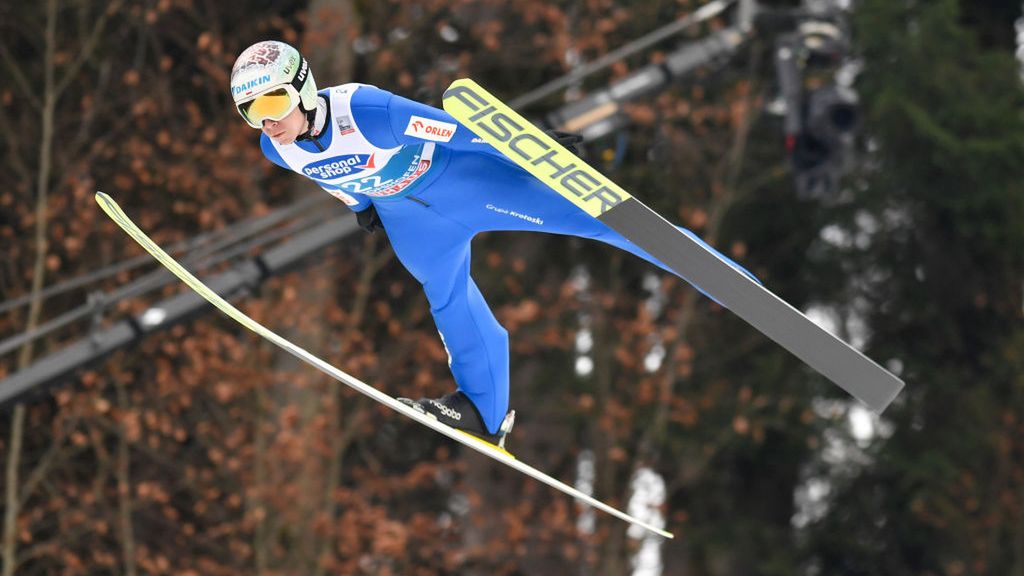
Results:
340 440
88 118
11 494
19 77
124 487
12 147
42 181
56 452
85 52
25 355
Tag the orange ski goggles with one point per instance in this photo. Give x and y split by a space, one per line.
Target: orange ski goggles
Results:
272 105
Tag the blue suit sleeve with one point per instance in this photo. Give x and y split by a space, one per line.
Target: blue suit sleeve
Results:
388 121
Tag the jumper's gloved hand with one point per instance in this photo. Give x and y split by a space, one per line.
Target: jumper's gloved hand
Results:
570 140
369 220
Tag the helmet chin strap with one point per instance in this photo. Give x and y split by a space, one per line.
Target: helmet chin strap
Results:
311 119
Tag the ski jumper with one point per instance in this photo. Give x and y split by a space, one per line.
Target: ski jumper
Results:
435 186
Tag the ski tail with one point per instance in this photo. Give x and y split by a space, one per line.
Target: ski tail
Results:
708 270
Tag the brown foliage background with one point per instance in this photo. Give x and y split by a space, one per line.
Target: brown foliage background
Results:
205 451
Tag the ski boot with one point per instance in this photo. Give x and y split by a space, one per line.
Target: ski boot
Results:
457 410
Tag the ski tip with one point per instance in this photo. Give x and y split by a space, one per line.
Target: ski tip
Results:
462 82
458 84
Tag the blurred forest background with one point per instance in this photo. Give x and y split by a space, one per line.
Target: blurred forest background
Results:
203 450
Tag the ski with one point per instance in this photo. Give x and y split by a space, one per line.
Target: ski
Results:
561 170
487 449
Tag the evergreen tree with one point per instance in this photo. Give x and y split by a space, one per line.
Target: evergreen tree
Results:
940 205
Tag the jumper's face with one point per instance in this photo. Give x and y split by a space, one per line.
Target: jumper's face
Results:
287 129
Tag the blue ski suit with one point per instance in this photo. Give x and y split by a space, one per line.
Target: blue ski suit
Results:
435 186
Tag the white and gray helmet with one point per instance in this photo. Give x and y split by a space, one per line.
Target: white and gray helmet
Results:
269 65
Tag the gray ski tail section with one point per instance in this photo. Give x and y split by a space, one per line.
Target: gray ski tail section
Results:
833 358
